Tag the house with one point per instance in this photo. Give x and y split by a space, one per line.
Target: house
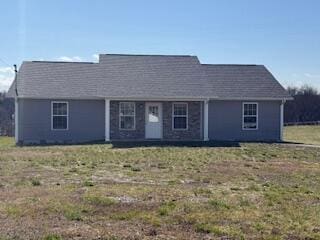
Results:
142 97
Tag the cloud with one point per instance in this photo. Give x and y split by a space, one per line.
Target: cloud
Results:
70 59
5 81
309 75
6 70
6 78
95 57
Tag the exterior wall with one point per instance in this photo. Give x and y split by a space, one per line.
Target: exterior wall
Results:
138 133
225 121
194 131
86 122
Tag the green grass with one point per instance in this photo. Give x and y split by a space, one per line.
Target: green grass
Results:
52 237
250 191
303 134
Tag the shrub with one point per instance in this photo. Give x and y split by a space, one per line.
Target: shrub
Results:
135 169
35 182
166 208
218 204
52 237
88 183
100 200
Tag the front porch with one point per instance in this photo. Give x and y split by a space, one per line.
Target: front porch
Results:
156 120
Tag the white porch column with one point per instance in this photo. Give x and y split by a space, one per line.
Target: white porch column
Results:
281 120
16 120
107 120
206 121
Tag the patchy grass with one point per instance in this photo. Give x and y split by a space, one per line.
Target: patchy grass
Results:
52 237
99 200
303 134
250 191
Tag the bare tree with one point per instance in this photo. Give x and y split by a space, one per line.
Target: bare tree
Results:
305 107
6 113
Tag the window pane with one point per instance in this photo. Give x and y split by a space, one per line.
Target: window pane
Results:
254 109
60 108
246 109
180 109
59 122
126 122
153 114
180 123
250 109
127 109
250 122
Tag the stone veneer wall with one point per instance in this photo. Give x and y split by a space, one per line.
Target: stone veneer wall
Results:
194 131
138 133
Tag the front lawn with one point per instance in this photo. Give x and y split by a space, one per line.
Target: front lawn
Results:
250 191
303 134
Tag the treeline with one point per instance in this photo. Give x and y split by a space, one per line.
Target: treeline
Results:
6 115
305 107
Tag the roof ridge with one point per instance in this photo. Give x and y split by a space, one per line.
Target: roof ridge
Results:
147 55
59 62
231 64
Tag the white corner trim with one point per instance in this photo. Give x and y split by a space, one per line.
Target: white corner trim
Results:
107 120
281 120
206 121
16 120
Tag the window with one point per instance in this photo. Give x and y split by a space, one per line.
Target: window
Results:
250 116
153 113
60 115
127 115
180 116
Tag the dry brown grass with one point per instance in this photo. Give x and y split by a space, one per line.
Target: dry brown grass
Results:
251 191
303 134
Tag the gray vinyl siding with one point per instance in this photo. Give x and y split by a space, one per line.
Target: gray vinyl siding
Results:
86 121
225 121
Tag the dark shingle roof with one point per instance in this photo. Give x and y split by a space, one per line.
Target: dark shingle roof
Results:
145 76
235 81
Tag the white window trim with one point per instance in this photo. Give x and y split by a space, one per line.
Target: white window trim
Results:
187 116
67 115
257 116
134 117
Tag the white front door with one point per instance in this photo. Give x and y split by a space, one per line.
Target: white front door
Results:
153 120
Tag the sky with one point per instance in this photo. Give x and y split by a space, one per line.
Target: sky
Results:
284 35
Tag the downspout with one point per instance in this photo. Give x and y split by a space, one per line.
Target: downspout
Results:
15 80
281 119
16 106
206 120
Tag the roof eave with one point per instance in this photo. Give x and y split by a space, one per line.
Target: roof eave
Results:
255 98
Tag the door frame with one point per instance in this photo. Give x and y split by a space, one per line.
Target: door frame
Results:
147 104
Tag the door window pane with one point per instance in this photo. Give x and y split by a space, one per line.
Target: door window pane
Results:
153 114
